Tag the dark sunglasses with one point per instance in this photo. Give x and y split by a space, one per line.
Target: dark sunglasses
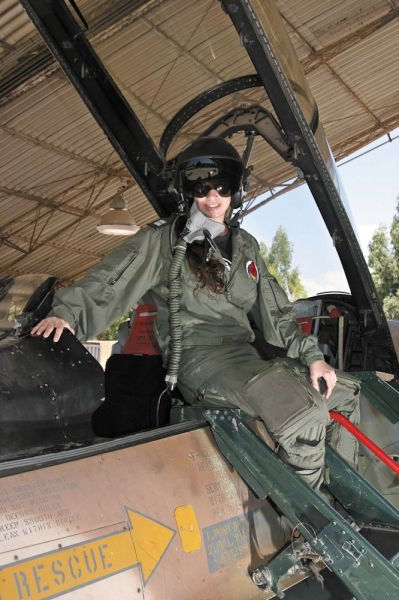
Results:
225 186
202 188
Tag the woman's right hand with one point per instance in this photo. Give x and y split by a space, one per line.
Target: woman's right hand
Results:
46 326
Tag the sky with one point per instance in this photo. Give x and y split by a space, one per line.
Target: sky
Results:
371 184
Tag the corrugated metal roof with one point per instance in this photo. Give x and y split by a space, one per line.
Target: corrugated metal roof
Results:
58 171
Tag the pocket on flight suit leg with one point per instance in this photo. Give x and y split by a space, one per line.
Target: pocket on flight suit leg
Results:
284 400
345 400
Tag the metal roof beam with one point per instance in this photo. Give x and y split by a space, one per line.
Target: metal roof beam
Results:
32 62
81 216
69 210
6 46
5 240
353 94
56 149
61 246
61 206
333 50
318 57
25 74
365 137
44 243
182 49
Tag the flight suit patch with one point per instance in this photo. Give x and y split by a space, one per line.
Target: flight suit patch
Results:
252 271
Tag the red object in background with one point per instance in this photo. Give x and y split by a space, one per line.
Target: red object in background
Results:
333 311
142 339
305 324
386 459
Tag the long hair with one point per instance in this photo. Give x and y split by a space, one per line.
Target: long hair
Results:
209 273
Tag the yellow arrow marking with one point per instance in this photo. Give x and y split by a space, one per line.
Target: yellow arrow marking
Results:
61 571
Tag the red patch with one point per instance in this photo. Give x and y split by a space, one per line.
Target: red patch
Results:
252 270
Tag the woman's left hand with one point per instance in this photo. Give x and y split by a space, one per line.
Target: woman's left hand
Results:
320 369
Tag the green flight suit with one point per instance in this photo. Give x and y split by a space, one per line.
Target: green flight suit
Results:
219 365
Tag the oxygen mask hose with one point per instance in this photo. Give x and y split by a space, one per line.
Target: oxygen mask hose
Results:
174 293
198 227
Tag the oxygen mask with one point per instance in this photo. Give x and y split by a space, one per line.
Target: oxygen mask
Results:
200 227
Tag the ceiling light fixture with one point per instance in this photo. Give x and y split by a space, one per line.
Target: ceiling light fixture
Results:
118 220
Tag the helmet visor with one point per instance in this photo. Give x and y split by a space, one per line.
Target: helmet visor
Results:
200 175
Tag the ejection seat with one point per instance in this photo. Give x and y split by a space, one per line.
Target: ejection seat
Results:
134 382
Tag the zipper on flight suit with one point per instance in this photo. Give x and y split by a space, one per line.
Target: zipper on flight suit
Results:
122 268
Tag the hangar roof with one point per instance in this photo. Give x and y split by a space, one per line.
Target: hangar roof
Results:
59 172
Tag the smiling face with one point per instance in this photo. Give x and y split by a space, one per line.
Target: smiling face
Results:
213 205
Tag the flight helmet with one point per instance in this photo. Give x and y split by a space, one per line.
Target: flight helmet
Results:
210 163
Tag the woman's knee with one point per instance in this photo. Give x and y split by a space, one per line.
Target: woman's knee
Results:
345 397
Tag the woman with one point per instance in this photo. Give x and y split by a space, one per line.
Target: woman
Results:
225 292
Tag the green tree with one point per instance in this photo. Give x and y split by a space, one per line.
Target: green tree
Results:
395 236
279 262
384 264
111 333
